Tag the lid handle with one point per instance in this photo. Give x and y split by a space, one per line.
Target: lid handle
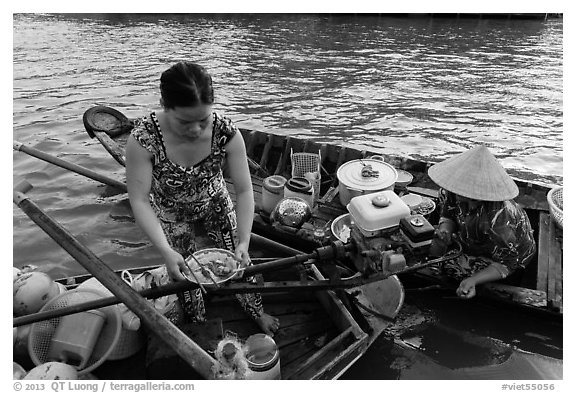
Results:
300 183
276 181
368 171
381 201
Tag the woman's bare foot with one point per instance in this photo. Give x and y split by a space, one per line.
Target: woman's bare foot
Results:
268 324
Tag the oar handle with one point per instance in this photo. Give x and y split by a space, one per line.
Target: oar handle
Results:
19 192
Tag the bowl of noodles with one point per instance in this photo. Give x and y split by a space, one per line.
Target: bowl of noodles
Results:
341 227
212 266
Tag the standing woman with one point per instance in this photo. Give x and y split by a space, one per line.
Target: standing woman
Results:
177 191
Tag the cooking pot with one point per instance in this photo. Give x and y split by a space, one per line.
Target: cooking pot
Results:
364 176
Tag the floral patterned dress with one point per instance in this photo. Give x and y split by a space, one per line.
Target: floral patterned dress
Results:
193 204
492 232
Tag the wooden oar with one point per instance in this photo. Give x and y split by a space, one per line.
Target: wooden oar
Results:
176 287
69 165
157 292
188 350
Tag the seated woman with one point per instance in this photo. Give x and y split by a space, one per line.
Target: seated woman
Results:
477 208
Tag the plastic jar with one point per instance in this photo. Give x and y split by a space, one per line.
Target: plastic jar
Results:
300 187
272 192
263 357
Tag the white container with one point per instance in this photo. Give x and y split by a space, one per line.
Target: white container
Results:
300 187
263 357
272 192
374 213
75 338
352 182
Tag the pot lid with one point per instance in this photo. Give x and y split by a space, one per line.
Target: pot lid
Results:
274 183
367 174
299 184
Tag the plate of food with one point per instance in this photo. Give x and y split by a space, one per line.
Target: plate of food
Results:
425 207
212 266
412 200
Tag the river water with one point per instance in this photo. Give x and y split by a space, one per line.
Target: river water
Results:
421 87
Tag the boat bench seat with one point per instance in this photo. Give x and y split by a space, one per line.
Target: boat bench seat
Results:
549 278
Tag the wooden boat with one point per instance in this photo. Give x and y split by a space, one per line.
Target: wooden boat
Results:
322 333
536 289
324 330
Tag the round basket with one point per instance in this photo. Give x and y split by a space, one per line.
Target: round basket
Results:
40 340
129 343
105 119
130 340
556 205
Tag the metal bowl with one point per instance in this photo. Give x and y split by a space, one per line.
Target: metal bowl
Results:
291 212
341 226
404 178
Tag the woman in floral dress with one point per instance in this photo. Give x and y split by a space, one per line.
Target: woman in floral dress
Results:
174 163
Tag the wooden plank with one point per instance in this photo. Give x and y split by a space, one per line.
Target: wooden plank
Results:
555 270
251 143
543 252
294 355
295 333
339 364
288 320
266 151
312 361
551 274
517 295
283 161
329 196
336 310
298 351
333 359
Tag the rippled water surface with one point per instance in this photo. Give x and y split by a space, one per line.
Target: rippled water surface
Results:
423 88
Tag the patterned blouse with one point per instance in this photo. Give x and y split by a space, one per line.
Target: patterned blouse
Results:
185 193
500 231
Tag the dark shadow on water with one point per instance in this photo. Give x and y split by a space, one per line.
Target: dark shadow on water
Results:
454 335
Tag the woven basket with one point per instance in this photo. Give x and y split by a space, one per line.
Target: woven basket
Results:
556 204
307 165
129 343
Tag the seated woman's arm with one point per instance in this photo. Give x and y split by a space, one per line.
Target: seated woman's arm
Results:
510 243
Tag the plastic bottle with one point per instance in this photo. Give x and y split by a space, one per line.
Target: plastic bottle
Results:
272 192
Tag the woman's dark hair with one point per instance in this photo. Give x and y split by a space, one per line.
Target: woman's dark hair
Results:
186 84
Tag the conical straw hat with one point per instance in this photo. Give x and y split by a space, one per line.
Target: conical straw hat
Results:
475 174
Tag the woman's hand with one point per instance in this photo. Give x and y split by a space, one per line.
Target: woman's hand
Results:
467 288
243 257
444 234
175 264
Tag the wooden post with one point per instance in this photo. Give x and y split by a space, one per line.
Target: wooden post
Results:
188 350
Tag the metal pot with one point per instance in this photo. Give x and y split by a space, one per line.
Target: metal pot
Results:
364 176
